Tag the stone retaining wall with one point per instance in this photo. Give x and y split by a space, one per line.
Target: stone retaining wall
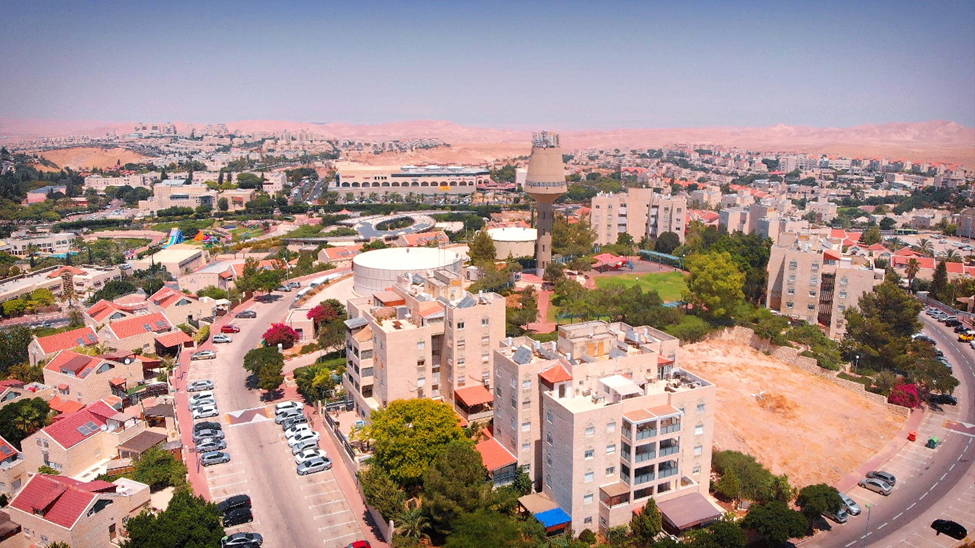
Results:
793 357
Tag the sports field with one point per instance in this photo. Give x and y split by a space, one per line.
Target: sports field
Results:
667 284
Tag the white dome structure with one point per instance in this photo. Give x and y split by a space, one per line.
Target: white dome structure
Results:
516 241
376 270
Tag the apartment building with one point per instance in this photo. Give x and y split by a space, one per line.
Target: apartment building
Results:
44 348
709 196
177 193
23 243
178 259
87 279
603 419
99 182
966 223
425 337
772 227
13 470
53 509
87 379
273 181
340 256
150 333
734 219
364 180
824 210
219 274
639 212
810 280
104 311
179 307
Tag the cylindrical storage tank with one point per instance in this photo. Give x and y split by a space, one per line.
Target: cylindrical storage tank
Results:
377 270
513 241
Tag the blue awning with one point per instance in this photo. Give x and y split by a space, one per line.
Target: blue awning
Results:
553 517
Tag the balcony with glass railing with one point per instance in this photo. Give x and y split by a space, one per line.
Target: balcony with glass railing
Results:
645 453
667 469
643 475
669 447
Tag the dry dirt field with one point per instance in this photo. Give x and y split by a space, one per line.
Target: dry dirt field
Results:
89 157
803 426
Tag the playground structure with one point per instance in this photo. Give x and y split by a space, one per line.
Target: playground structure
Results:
175 237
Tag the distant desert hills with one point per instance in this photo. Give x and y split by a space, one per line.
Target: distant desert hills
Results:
934 141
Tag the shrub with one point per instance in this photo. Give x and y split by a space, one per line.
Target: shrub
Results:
202 335
282 334
308 348
587 536
691 329
905 395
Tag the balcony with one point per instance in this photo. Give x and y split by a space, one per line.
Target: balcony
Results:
670 428
646 433
667 471
665 451
643 475
644 456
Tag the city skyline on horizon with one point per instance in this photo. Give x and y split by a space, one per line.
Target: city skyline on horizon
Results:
570 66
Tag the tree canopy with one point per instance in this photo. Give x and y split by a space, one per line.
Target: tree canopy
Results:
157 469
667 242
482 249
188 522
776 522
455 484
714 284
647 524
572 238
22 418
815 500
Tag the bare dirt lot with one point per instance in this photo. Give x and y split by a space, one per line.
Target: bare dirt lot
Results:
90 157
802 425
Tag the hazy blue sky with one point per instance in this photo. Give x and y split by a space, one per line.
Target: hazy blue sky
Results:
521 64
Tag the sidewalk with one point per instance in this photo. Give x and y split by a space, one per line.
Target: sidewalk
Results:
541 324
889 450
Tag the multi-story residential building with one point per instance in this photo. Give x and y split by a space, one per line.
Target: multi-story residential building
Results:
273 181
340 256
709 196
425 337
811 281
13 390
966 223
772 227
639 212
53 509
364 180
178 259
740 199
177 193
603 419
734 219
87 279
824 210
219 274
179 307
87 379
43 348
13 470
150 333
23 244
104 311
99 183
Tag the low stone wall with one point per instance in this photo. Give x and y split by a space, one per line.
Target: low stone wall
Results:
793 357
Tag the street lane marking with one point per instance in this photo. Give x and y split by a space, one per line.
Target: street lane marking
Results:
911 506
229 484
951 467
899 515
327 540
226 475
922 496
882 526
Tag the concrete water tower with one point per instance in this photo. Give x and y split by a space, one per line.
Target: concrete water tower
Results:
545 182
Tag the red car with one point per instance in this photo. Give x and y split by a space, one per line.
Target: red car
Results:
360 544
230 329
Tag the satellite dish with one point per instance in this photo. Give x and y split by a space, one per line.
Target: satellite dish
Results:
103 428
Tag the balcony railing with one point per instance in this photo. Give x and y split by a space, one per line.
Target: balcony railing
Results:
642 478
643 457
644 434
664 451
670 429
667 472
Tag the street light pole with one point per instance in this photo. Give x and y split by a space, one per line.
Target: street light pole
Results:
856 363
865 535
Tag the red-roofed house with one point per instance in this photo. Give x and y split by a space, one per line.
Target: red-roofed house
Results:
178 307
340 256
58 509
86 379
104 311
501 465
43 348
81 444
13 470
137 332
422 239
11 393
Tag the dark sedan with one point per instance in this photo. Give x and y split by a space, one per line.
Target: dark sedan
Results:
951 528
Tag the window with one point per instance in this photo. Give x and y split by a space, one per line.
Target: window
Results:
548 458
791 291
610 449
548 417
788 304
610 470
697 469
548 438
811 306
700 408
485 321
587 521
589 477
526 447
590 453
793 265
611 426
698 450
485 357
812 292
526 426
699 429
460 325
587 500
842 294
421 345
526 384
590 430
792 278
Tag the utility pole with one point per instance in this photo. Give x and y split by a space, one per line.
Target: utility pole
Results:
868 526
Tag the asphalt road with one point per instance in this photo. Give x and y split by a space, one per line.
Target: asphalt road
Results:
289 510
937 483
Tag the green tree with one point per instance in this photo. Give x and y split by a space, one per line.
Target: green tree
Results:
815 500
409 434
553 272
454 484
270 376
189 521
939 284
624 239
412 523
381 492
113 290
572 238
158 469
728 486
223 204
887 223
714 284
667 242
647 524
720 534
879 330
871 236
488 529
13 346
482 250
22 418
776 522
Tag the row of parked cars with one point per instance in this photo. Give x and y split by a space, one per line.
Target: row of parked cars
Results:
302 440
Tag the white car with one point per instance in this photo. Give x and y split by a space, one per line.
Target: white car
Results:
290 432
221 338
317 464
206 395
206 402
197 386
288 406
302 437
205 412
309 454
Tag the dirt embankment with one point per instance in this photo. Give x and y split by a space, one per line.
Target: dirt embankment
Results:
80 158
793 422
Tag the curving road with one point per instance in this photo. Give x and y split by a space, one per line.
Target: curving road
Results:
931 484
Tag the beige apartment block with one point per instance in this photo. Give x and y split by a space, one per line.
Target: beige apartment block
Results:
177 193
179 307
364 180
13 469
87 379
734 219
639 212
99 183
808 280
178 259
424 338
603 419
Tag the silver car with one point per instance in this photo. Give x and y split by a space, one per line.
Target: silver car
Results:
304 446
217 339
311 466
280 418
852 507
208 445
204 355
199 386
876 485
214 457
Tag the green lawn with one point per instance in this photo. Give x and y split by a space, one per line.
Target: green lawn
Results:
668 284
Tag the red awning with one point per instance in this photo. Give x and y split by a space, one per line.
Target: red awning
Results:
117 381
474 395
62 387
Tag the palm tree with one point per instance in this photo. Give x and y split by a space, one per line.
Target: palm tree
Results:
952 256
913 266
412 523
926 247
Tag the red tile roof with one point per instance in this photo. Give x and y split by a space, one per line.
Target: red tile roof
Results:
130 327
494 454
7 450
555 374
175 338
84 336
879 247
66 430
103 309
907 252
474 395
342 252
424 238
832 255
58 500
167 296
59 272
65 407
74 364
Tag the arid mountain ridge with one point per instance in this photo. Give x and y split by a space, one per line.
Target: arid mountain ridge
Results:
933 141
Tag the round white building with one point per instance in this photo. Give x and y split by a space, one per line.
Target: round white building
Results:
376 270
516 241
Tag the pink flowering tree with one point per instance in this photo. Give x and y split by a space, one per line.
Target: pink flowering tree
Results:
281 334
323 313
905 395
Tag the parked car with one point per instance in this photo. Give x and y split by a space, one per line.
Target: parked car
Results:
242 539
296 429
289 415
237 516
953 529
283 288
303 436
360 544
214 457
246 314
961 329
199 386
839 517
294 285
294 420
952 322
943 399
886 477
966 337
220 338
311 466
303 446
876 485
236 501
204 355
287 406
851 505
207 425
205 402
205 395
208 433
205 412
310 454
230 329
208 445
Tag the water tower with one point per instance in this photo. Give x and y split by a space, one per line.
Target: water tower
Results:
545 183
